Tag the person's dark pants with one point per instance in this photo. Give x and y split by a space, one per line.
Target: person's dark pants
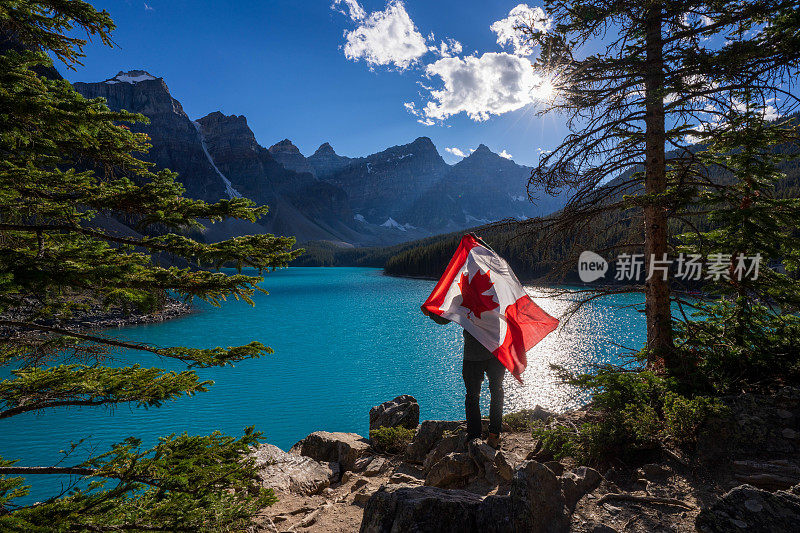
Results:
473 378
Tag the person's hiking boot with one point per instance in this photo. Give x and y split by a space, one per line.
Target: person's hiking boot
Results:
493 440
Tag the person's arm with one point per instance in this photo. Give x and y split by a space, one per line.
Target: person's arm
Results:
436 318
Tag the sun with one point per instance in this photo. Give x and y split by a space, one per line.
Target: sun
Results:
545 90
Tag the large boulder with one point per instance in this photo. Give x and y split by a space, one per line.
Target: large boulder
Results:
537 500
767 475
452 470
751 510
341 448
536 504
396 508
493 465
577 483
293 473
428 434
403 411
449 444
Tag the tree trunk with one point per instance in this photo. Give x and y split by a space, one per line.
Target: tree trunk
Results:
657 298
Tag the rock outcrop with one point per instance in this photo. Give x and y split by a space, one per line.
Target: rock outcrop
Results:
535 504
456 484
452 470
402 411
430 509
492 464
537 501
343 449
748 509
294 473
428 435
579 482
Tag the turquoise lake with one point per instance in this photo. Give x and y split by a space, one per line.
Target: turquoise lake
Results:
345 339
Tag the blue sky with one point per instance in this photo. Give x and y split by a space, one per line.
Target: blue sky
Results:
314 72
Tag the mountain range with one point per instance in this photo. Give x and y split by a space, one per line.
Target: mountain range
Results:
403 193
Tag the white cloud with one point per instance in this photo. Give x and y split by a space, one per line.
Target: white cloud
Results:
147 7
492 84
505 154
769 112
354 9
426 121
387 37
523 14
447 48
455 151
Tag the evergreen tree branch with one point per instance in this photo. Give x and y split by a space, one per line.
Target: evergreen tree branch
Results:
193 356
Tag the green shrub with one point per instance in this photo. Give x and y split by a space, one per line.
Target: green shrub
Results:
519 420
557 439
390 440
684 417
635 412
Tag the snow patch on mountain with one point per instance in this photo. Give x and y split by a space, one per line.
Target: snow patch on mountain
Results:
359 218
232 193
132 76
392 223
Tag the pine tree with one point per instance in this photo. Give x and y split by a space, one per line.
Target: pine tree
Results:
750 333
64 160
665 73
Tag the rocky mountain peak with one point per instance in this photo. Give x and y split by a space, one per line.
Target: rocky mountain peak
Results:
424 143
288 155
134 90
284 146
175 139
483 155
233 127
219 116
325 150
326 161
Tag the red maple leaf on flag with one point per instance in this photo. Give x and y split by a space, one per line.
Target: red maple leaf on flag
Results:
472 293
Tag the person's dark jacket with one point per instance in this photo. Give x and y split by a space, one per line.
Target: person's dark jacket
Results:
473 350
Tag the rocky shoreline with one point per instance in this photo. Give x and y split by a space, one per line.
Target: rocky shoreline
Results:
116 318
745 478
96 317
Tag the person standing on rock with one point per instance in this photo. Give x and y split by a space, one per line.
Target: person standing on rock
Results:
480 292
477 362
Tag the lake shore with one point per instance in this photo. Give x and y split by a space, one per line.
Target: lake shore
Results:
440 480
96 317
116 318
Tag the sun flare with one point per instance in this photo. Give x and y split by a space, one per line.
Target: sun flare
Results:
545 90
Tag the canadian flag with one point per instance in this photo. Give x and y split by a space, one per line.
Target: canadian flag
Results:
479 291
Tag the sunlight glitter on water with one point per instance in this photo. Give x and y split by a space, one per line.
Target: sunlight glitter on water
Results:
595 334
